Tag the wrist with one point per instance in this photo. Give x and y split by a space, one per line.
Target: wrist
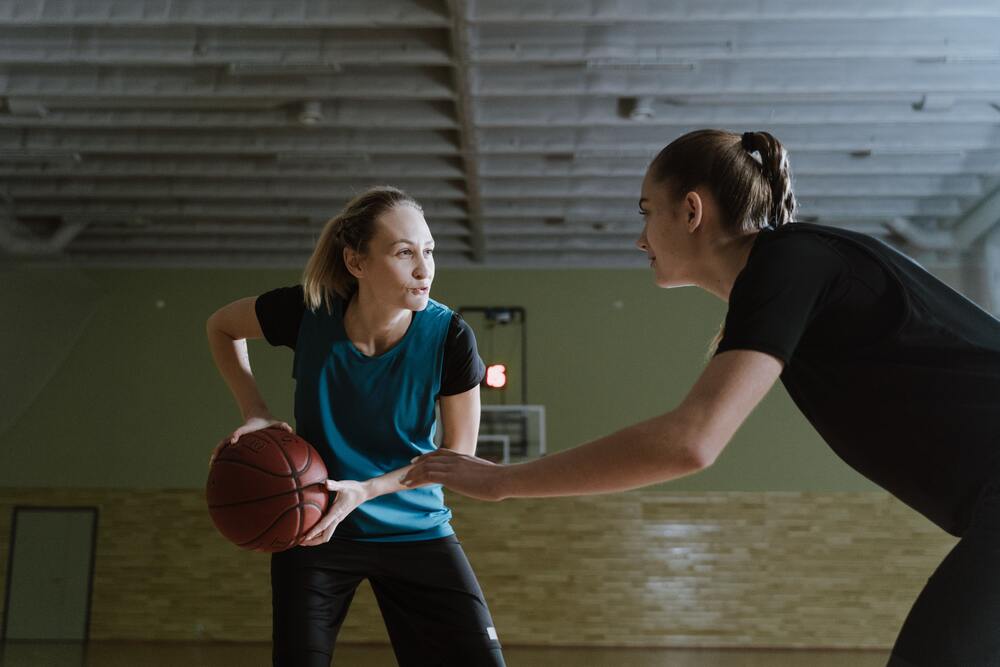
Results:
368 488
257 412
504 484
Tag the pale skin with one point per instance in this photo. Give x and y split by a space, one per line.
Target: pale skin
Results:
687 245
394 279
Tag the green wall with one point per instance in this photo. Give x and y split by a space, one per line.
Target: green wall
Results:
106 378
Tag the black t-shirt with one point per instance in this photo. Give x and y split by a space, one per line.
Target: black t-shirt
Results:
280 312
897 372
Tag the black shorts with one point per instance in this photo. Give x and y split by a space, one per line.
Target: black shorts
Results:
955 621
430 600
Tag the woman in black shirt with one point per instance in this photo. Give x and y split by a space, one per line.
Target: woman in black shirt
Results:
897 372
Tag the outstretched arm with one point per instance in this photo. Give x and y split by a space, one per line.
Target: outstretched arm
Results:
680 442
460 418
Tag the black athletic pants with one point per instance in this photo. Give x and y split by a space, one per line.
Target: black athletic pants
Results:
430 600
955 621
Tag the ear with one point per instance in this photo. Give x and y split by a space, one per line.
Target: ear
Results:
352 259
694 207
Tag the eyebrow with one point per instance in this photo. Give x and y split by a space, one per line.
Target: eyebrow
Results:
408 242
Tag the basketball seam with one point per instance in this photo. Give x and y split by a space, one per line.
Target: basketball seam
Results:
298 488
257 498
254 467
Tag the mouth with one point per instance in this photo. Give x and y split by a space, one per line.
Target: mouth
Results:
420 291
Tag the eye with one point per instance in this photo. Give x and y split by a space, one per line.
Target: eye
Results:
643 212
428 251
406 252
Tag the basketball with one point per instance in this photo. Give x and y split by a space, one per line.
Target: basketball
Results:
267 490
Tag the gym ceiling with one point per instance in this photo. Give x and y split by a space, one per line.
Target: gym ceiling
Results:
226 132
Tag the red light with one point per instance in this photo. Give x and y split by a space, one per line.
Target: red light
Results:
496 376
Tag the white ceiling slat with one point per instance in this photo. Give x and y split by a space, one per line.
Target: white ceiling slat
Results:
212 243
235 210
130 83
315 143
739 78
233 13
843 207
687 11
812 163
797 139
584 112
78 188
295 50
170 228
417 114
720 38
829 186
377 168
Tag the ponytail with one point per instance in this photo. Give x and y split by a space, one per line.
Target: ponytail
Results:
774 163
748 175
326 272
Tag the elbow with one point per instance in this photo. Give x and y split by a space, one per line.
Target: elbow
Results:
701 457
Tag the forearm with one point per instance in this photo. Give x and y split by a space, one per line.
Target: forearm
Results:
233 361
387 483
656 450
390 482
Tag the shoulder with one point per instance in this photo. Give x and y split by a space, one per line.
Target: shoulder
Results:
793 253
439 313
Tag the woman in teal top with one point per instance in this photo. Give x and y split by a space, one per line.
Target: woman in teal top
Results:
373 356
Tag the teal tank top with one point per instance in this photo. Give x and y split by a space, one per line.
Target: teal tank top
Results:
370 415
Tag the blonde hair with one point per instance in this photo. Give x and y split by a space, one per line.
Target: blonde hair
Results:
326 272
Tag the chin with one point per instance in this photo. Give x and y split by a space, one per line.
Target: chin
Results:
417 303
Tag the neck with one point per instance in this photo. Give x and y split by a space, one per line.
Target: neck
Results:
726 258
372 326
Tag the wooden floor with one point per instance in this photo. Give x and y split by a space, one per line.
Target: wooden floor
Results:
119 654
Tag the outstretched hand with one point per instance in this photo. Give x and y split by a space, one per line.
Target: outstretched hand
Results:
349 494
469 475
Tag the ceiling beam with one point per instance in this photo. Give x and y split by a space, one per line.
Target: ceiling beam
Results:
17 239
465 83
980 219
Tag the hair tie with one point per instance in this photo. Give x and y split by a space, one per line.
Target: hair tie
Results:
747 141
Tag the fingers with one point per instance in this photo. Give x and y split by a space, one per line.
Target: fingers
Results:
286 427
436 454
427 472
322 531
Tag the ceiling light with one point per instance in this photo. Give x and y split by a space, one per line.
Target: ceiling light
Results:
311 113
641 109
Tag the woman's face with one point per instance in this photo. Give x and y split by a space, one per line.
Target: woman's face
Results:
398 268
667 236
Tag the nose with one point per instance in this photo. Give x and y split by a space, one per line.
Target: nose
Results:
420 270
640 243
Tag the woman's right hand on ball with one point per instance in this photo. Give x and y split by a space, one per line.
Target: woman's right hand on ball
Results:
253 423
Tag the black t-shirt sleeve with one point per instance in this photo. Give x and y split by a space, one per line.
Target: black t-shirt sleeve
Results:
280 313
463 369
786 284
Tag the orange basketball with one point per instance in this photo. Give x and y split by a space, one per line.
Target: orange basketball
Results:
267 490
